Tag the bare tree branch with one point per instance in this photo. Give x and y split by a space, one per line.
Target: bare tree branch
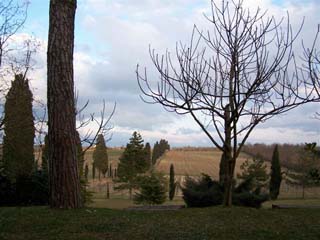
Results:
241 72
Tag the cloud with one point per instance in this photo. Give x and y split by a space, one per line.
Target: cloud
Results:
113 36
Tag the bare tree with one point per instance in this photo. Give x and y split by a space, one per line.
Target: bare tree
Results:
13 14
63 166
231 78
94 126
12 17
312 69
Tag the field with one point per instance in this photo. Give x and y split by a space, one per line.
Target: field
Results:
38 223
194 162
187 161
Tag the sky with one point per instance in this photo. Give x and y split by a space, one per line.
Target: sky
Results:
112 36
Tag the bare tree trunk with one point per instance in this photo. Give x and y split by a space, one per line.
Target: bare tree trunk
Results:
229 169
64 177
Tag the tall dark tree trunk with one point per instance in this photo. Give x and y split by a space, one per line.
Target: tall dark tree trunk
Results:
64 177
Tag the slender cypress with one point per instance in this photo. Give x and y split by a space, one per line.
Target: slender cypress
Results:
172 183
19 131
276 177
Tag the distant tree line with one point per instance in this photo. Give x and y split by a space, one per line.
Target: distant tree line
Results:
159 149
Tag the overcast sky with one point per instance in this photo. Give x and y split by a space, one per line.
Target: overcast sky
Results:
112 36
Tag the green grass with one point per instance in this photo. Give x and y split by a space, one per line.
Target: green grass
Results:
208 223
295 202
119 202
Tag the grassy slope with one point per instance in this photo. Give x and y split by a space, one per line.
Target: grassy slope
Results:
209 223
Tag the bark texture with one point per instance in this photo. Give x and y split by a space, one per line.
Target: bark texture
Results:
64 177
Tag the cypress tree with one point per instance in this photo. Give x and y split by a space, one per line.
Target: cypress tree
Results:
172 183
80 156
100 156
19 131
159 149
147 150
110 170
93 171
108 191
155 153
276 176
86 172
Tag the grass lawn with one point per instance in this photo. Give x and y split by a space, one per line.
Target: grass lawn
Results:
122 203
207 223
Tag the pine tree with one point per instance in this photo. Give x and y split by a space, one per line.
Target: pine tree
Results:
256 171
132 162
172 183
100 156
152 189
276 176
19 131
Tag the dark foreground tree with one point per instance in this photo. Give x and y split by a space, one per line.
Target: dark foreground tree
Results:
276 176
230 78
18 153
63 169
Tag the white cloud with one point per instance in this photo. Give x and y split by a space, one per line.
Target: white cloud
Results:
113 36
